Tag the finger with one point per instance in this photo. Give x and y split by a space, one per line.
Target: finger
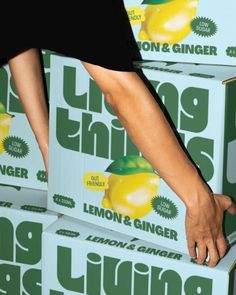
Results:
202 250
222 246
213 254
232 208
192 248
227 203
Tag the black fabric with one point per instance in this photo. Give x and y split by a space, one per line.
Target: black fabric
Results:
97 32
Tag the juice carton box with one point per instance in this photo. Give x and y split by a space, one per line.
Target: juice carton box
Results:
23 217
21 162
98 175
80 258
184 30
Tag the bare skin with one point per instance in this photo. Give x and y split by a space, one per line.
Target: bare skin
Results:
148 128
27 74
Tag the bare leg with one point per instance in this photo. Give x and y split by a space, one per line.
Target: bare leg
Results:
27 74
149 130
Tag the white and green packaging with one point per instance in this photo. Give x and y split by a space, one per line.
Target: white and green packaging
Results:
184 30
96 173
23 217
21 162
80 258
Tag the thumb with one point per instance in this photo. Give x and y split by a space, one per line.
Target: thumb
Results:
227 203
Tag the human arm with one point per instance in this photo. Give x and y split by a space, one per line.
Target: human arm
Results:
149 130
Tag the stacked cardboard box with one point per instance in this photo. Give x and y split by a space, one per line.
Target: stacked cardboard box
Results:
23 218
98 176
21 163
91 153
84 259
184 30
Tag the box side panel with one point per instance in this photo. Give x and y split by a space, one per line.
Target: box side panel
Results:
229 174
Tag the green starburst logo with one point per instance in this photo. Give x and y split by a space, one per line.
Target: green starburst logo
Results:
164 207
203 26
16 147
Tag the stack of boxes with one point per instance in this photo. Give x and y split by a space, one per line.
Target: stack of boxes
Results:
98 177
23 196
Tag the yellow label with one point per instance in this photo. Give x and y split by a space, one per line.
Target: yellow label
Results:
95 181
135 14
5 124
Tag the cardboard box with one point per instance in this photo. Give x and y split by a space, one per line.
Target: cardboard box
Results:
23 217
184 30
21 162
96 174
80 258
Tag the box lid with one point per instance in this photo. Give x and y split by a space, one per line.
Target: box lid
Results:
19 198
220 73
79 230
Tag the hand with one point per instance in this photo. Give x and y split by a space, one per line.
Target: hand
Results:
204 228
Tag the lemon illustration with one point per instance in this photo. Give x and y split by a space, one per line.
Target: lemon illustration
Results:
131 187
168 22
5 124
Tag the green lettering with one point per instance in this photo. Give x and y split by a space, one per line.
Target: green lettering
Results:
67 130
24 173
4 86
95 136
69 90
32 282
196 285
6 239
202 151
10 171
117 140
94 262
10 281
117 277
194 114
141 279
131 148
167 282
28 248
64 271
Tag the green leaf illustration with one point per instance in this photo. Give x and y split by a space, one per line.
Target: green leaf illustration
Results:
155 2
130 165
2 108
